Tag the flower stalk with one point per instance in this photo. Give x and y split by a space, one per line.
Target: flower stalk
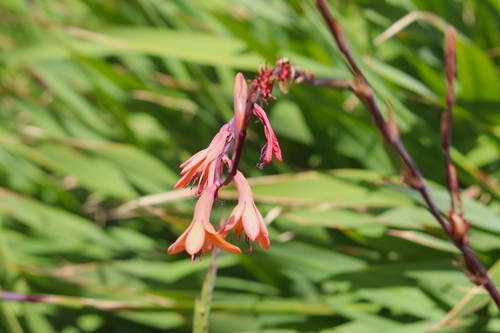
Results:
206 167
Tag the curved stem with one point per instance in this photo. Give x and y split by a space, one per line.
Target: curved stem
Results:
364 92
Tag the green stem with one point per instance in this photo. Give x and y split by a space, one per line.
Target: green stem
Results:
8 318
204 301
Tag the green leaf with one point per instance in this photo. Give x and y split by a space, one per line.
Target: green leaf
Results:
332 218
288 122
160 320
321 188
476 71
425 240
52 221
131 239
96 174
78 104
36 321
312 261
477 213
134 162
403 300
408 217
399 77
156 270
194 47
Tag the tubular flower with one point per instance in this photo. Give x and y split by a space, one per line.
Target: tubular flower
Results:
201 166
200 236
245 216
272 145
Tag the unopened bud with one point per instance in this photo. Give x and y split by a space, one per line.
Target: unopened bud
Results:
459 227
240 99
410 179
452 171
361 88
450 54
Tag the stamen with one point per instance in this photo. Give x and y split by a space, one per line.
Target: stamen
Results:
192 182
250 244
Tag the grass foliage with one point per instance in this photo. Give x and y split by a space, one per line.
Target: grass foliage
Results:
102 100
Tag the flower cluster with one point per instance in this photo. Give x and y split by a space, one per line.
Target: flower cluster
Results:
206 168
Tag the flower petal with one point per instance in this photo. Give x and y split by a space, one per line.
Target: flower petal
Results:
222 244
234 218
185 179
195 238
208 227
201 166
207 245
238 229
194 161
263 238
251 221
272 145
180 244
263 241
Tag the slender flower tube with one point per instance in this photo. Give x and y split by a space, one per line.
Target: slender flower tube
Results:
245 216
201 166
200 236
272 145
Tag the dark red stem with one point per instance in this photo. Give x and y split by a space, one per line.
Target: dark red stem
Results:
363 90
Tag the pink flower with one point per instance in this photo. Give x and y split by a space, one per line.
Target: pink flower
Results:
200 236
201 166
245 216
272 145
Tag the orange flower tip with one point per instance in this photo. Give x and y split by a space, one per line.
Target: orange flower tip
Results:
235 250
173 249
222 244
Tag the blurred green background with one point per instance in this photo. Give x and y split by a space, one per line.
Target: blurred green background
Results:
102 100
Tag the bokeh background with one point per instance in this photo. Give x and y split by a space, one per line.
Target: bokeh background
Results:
101 100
